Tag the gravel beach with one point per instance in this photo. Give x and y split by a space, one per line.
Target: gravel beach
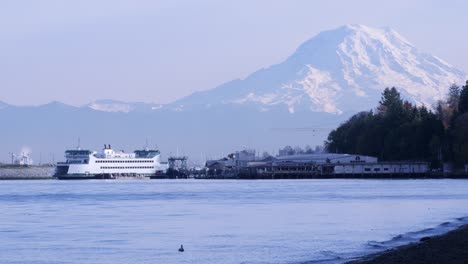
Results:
449 248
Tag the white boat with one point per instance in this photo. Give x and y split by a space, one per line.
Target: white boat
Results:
109 164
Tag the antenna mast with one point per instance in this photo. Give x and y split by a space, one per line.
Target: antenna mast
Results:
79 144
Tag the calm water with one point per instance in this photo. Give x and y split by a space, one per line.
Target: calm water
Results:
290 221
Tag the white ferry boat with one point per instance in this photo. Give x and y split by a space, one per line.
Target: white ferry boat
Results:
109 164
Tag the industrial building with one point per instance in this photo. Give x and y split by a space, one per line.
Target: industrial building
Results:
323 165
230 166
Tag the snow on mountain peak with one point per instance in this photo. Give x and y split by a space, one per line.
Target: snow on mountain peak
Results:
340 70
123 107
110 106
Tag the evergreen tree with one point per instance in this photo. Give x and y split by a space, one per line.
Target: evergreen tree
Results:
390 102
308 150
463 103
453 97
459 136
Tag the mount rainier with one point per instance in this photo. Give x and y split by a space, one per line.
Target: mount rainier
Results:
338 71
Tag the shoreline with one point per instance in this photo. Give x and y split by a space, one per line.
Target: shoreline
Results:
26 172
447 248
50 177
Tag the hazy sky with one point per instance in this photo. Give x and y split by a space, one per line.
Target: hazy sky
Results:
158 51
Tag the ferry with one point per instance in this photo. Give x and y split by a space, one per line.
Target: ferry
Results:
109 164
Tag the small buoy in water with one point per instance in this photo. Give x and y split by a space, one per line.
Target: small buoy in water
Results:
181 249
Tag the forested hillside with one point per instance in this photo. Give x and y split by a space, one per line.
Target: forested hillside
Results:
399 130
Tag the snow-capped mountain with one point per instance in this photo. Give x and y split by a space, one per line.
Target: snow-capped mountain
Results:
119 106
340 70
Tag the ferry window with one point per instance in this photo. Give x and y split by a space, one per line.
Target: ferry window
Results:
367 169
377 169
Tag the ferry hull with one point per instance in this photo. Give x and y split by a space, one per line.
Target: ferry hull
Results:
100 177
83 176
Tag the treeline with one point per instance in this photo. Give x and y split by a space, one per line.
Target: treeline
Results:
399 130
288 150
